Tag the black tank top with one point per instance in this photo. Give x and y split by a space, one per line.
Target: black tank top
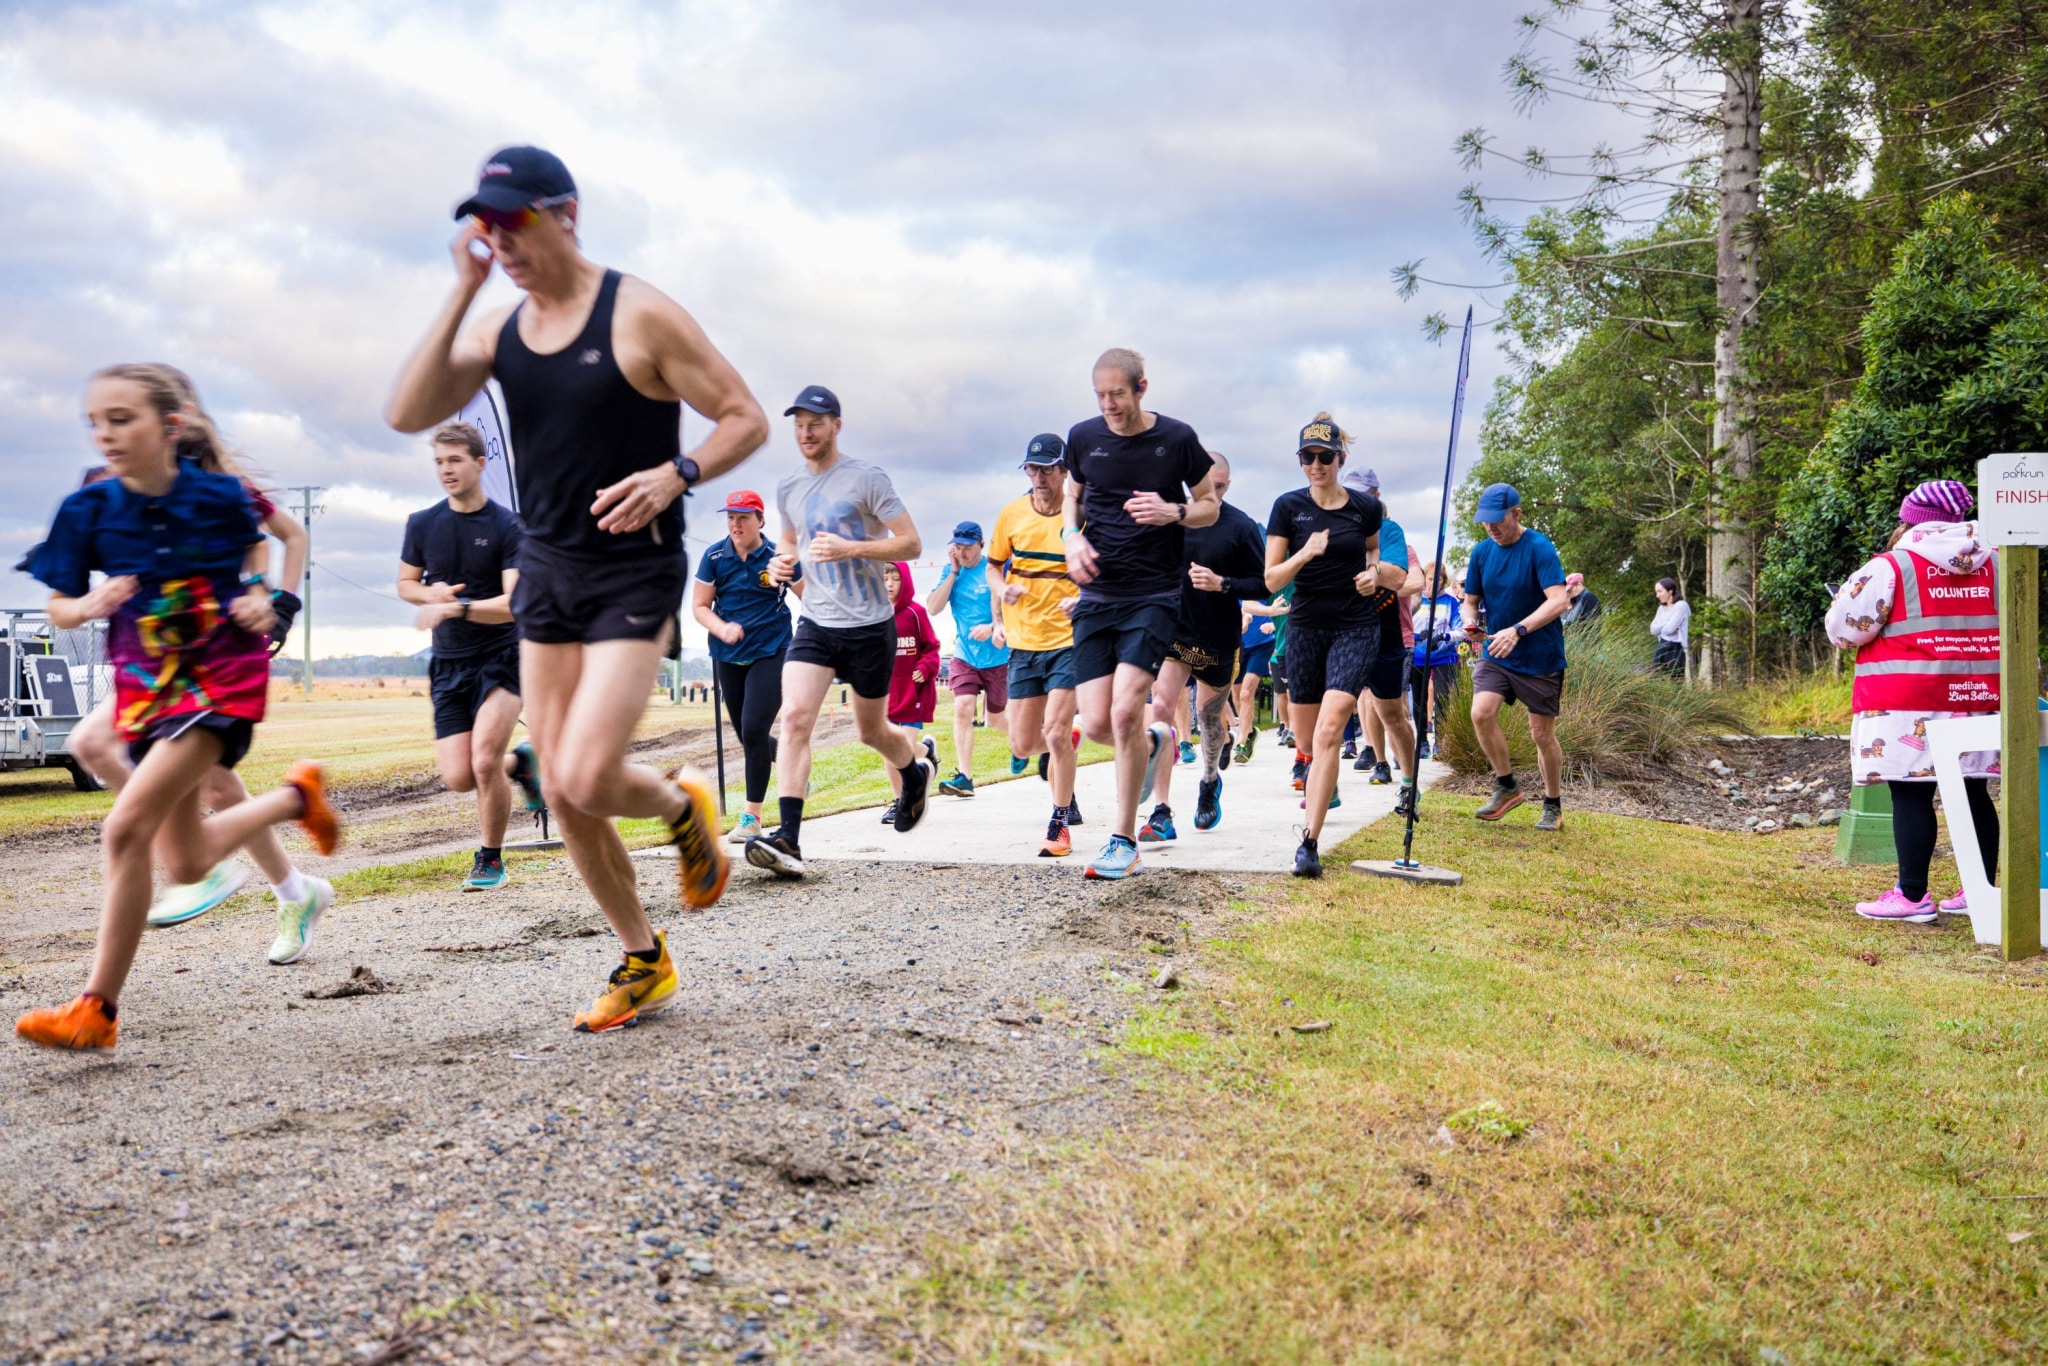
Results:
579 426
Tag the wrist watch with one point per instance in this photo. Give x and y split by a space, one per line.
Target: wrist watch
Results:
465 607
1520 630
691 475
1181 512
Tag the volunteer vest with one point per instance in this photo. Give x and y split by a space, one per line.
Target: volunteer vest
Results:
1939 647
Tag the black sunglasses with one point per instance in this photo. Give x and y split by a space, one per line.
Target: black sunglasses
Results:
1317 455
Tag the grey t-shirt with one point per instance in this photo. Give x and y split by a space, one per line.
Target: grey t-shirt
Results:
854 500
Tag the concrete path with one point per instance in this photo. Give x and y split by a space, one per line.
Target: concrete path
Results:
1003 822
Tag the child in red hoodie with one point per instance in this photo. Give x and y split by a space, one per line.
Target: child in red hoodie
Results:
914 686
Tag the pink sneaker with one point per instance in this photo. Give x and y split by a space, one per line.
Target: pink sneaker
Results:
1959 904
1894 906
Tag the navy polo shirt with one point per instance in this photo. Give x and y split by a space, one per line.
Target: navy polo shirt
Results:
741 593
203 525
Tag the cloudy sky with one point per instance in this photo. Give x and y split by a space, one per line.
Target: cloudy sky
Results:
944 211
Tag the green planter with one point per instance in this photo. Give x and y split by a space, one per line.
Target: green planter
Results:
1865 835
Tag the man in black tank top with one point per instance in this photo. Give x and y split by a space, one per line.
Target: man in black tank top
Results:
595 367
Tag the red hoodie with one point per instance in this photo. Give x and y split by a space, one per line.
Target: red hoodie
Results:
917 651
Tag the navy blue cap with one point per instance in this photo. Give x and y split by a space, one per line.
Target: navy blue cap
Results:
516 177
1494 502
1045 449
967 533
815 399
1322 434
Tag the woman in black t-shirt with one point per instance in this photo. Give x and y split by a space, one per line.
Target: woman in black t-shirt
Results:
1325 540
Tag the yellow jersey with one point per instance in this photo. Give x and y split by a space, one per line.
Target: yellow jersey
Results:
1030 548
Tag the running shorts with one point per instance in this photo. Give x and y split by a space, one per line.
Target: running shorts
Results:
236 733
1214 664
1034 673
864 657
1542 694
1107 634
459 687
1255 663
1323 660
1389 681
565 599
967 681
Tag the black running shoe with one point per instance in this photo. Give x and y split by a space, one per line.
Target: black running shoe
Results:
917 782
1074 812
1307 862
1381 775
1351 750
889 814
1041 766
1404 805
777 853
1209 804
1553 814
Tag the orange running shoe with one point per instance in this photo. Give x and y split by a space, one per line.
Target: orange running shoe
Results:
318 820
86 1025
701 865
1058 843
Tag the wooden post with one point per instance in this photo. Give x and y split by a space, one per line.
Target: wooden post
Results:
2019 856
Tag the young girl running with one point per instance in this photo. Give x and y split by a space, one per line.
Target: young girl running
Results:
1325 539
191 668
914 678
301 899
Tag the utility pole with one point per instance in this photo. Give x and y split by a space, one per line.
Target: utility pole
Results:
307 509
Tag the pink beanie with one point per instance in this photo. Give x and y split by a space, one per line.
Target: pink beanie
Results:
1937 500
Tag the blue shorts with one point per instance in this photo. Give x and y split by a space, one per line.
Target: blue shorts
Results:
1034 673
1257 661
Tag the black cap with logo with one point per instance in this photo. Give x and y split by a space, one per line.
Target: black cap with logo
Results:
815 398
515 177
1045 449
1322 434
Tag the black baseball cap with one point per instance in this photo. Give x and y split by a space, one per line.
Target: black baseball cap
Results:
515 177
1321 434
1045 449
815 399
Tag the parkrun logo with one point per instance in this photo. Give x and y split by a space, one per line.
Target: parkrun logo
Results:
2020 497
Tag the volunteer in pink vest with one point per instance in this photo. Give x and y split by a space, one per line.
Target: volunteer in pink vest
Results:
1923 620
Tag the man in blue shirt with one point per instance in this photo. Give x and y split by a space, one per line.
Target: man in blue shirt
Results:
979 665
1516 578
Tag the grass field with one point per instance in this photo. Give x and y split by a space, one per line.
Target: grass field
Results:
1640 1091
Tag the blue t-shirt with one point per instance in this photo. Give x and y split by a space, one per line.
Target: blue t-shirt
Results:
202 526
1444 634
1509 580
741 593
972 608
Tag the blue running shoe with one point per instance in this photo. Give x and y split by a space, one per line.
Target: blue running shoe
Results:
485 874
1159 826
1162 742
1209 804
1118 859
194 899
526 773
1017 765
1187 751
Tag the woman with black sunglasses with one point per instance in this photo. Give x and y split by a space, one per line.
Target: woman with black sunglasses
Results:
1325 540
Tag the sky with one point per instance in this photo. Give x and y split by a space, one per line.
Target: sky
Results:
943 211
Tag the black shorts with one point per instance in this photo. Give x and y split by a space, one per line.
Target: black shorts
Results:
1037 673
1214 663
1542 694
1335 660
1389 678
564 599
864 657
459 687
1258 661
1107 634
236 734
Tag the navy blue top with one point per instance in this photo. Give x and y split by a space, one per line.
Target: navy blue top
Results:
203 525
1509 580
473 549
741 593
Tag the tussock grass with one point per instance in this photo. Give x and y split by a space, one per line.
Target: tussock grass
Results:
1803 702
1619 720
1688 1123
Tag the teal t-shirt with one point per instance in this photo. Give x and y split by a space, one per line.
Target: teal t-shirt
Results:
971 608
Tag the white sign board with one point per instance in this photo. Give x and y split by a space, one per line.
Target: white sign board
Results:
481 412
2012 499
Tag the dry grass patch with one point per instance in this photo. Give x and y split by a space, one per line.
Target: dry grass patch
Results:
1630 1093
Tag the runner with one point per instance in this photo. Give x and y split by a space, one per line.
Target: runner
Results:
301 899
459 564
747 619
841 522
980 667
1034 600
595 367
1388 731
1140 480
1255 665
190 651
1226 565
914 676
1324 539
1433 679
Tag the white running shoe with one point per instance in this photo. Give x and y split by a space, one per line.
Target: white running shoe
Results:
296 919
191 900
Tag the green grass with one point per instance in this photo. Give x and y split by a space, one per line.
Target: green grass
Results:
1681 1118
1803 702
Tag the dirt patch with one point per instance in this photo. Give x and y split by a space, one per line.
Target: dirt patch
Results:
1152 911
361 982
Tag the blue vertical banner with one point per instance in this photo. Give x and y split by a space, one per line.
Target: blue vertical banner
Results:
481 412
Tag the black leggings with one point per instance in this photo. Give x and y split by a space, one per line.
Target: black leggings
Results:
1913 830
753 698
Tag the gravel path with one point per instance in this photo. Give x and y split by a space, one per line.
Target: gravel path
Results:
852 1063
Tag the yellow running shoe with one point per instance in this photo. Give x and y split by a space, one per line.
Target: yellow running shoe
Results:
701 865
636 989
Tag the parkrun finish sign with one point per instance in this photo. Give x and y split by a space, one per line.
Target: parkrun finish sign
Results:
2012 499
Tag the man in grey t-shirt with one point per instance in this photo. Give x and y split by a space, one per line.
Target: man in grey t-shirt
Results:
842 520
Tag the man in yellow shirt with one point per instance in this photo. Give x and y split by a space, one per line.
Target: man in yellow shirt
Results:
1034 606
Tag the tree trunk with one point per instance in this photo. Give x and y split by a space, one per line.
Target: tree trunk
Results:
1731 569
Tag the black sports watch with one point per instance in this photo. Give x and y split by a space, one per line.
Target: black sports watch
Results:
1520 630
687 468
